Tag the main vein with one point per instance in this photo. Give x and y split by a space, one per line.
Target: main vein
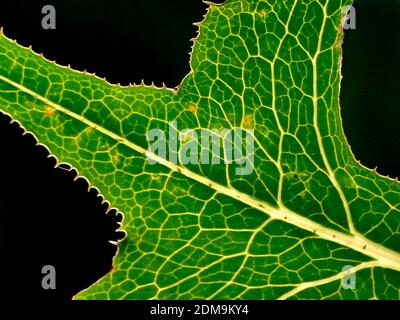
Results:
386 257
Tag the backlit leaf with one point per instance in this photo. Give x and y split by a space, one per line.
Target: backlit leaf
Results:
288 230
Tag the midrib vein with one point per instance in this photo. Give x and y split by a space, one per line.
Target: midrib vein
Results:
384 256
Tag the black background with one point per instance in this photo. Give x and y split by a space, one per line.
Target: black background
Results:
47 218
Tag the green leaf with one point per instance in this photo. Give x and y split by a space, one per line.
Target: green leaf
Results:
200 231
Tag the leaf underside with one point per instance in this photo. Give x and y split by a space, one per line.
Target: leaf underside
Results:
287 230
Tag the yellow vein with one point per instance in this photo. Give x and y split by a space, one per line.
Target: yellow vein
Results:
341 275
385 256
317 131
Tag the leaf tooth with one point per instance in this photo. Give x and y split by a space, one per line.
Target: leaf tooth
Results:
209 3
68 167
54 62
213 4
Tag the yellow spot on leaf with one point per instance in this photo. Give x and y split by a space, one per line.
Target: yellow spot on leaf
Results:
156 177
115 159
262 13
115 156
193 108
49 112
186 138
247 122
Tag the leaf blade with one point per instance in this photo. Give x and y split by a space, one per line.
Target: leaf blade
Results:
199 231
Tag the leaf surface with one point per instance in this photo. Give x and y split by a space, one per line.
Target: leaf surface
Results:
200 231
